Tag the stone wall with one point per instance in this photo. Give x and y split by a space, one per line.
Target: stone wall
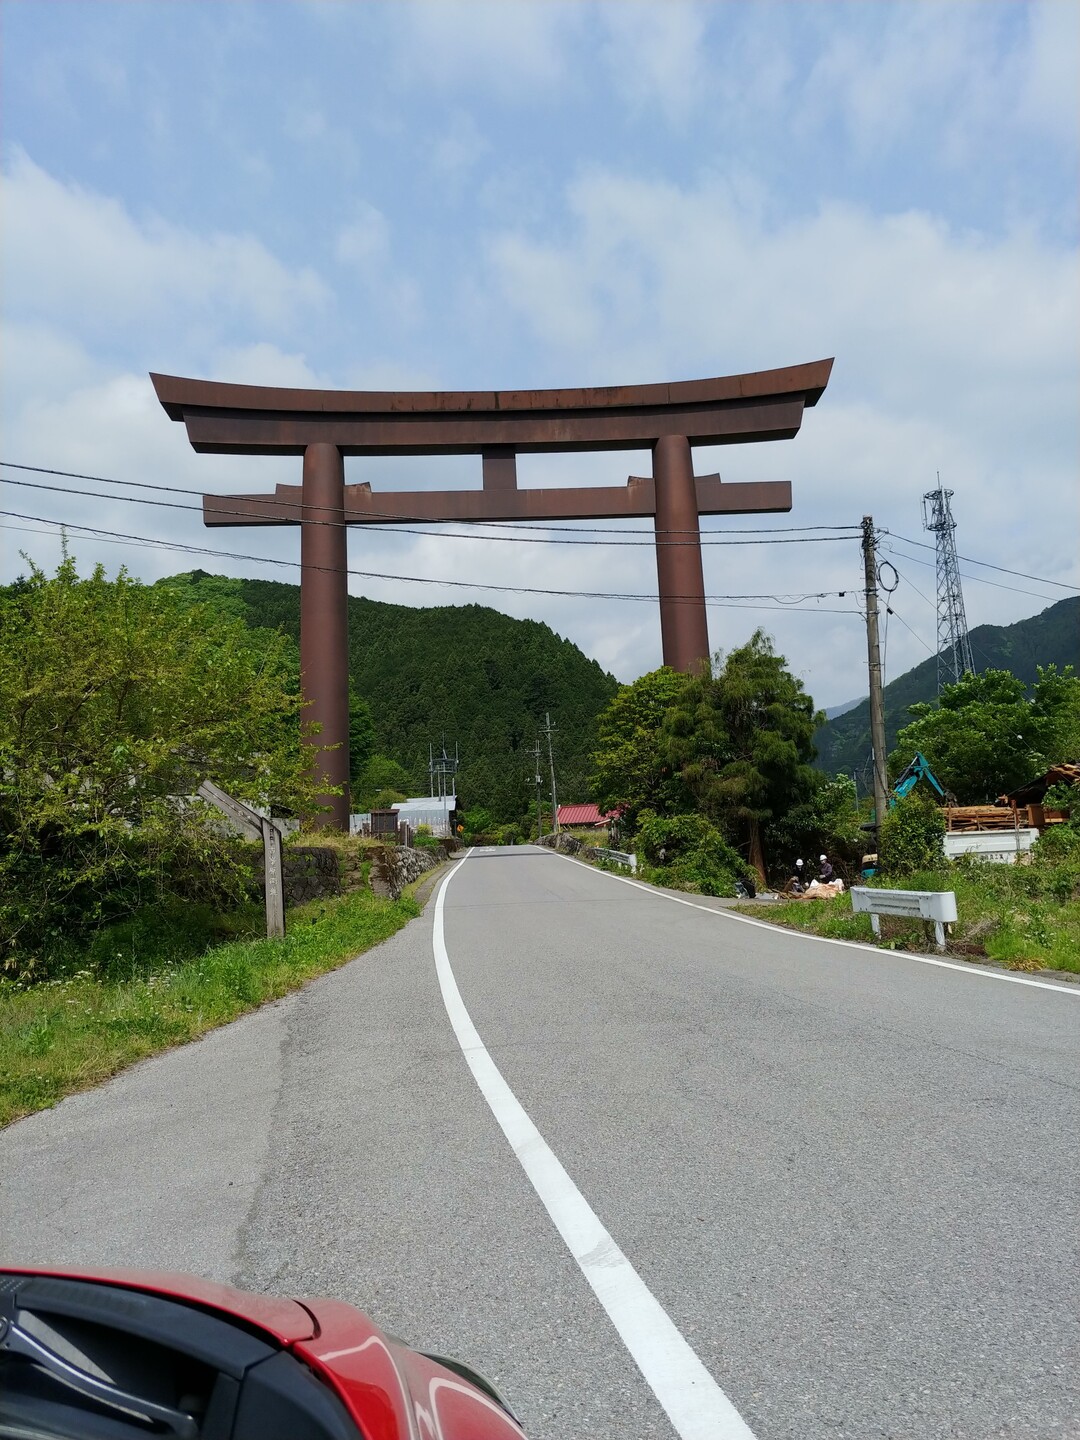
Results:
568 844
310 872
393 867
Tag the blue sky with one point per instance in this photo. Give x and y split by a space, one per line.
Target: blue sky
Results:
509 195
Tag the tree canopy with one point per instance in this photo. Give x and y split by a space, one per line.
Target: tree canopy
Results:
741 741
984 736
630 773
116 702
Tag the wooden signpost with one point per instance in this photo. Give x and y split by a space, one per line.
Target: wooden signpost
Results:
255 826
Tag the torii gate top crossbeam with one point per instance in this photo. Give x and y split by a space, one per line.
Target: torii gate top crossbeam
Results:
227 419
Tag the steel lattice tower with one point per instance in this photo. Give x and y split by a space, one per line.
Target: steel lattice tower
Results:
954 648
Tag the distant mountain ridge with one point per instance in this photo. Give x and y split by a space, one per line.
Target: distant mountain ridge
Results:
1049 638
468 674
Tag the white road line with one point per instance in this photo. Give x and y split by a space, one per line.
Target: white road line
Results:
972 970
695 1404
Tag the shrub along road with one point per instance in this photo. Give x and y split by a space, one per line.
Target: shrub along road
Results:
848 1179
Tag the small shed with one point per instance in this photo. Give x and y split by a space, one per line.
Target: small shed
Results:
580 816
437 812
1034 792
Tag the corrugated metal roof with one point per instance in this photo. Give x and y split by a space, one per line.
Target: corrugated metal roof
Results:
441 803
583 815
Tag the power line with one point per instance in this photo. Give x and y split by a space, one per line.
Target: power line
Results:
893 611
1021 574
392 515
889 549
979 579
735 602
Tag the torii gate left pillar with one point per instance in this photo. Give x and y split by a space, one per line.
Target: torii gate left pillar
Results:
324 426
324 623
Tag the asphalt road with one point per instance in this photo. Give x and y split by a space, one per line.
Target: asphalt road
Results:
849 1179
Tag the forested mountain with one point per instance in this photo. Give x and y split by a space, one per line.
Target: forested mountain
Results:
1049 638
466 673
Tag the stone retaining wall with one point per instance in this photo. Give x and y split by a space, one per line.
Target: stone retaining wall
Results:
310 872
393 867
570 845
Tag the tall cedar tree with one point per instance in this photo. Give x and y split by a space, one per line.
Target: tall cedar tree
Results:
741 740
630 773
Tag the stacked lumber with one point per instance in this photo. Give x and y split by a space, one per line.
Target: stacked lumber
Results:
984 817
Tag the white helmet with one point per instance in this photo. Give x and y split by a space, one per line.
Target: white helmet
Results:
798 862
822 859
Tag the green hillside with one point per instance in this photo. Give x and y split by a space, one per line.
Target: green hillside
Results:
464 672
1050 638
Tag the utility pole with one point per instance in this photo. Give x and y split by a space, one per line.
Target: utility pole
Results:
873 652
548 728
539 782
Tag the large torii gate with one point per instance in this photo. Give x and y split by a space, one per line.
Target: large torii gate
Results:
326 425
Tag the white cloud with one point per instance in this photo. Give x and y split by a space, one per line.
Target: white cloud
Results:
951 73
364 239
510 50
954 353
1048 89
459 146
364 245
82 259
656 55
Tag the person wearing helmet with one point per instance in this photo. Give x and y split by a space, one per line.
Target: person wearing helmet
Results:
825 870
797 883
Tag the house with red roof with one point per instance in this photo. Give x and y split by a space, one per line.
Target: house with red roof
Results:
579 816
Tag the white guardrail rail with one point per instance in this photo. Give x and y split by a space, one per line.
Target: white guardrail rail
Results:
619 857
938 906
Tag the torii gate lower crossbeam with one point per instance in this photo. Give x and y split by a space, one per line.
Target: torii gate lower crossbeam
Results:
324 426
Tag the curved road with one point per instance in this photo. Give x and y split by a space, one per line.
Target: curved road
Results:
843 1184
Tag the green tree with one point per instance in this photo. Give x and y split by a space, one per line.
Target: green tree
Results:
911 836
361 737
381 777
826 821
629 771
689 853
741 740
116 702
984 737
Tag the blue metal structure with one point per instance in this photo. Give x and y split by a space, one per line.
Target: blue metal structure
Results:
919 769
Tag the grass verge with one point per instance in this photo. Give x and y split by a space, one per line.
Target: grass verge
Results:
999 919
66 1035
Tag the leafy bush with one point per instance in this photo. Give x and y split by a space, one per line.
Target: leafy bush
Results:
478 821
827 822
1055 862
1064 796
910 837
687 852
116 701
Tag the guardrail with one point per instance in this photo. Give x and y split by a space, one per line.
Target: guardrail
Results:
936 906
618 857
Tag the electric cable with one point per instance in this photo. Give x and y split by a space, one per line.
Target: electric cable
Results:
980 579
391 515
929 649
721 601
1021 574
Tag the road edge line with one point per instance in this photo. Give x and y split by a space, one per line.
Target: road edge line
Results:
692 1400
972 970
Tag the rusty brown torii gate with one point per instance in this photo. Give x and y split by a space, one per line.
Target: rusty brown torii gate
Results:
326 425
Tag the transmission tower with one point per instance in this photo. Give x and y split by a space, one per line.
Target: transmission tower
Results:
953 646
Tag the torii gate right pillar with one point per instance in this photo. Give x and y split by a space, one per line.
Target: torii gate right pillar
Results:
684 626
